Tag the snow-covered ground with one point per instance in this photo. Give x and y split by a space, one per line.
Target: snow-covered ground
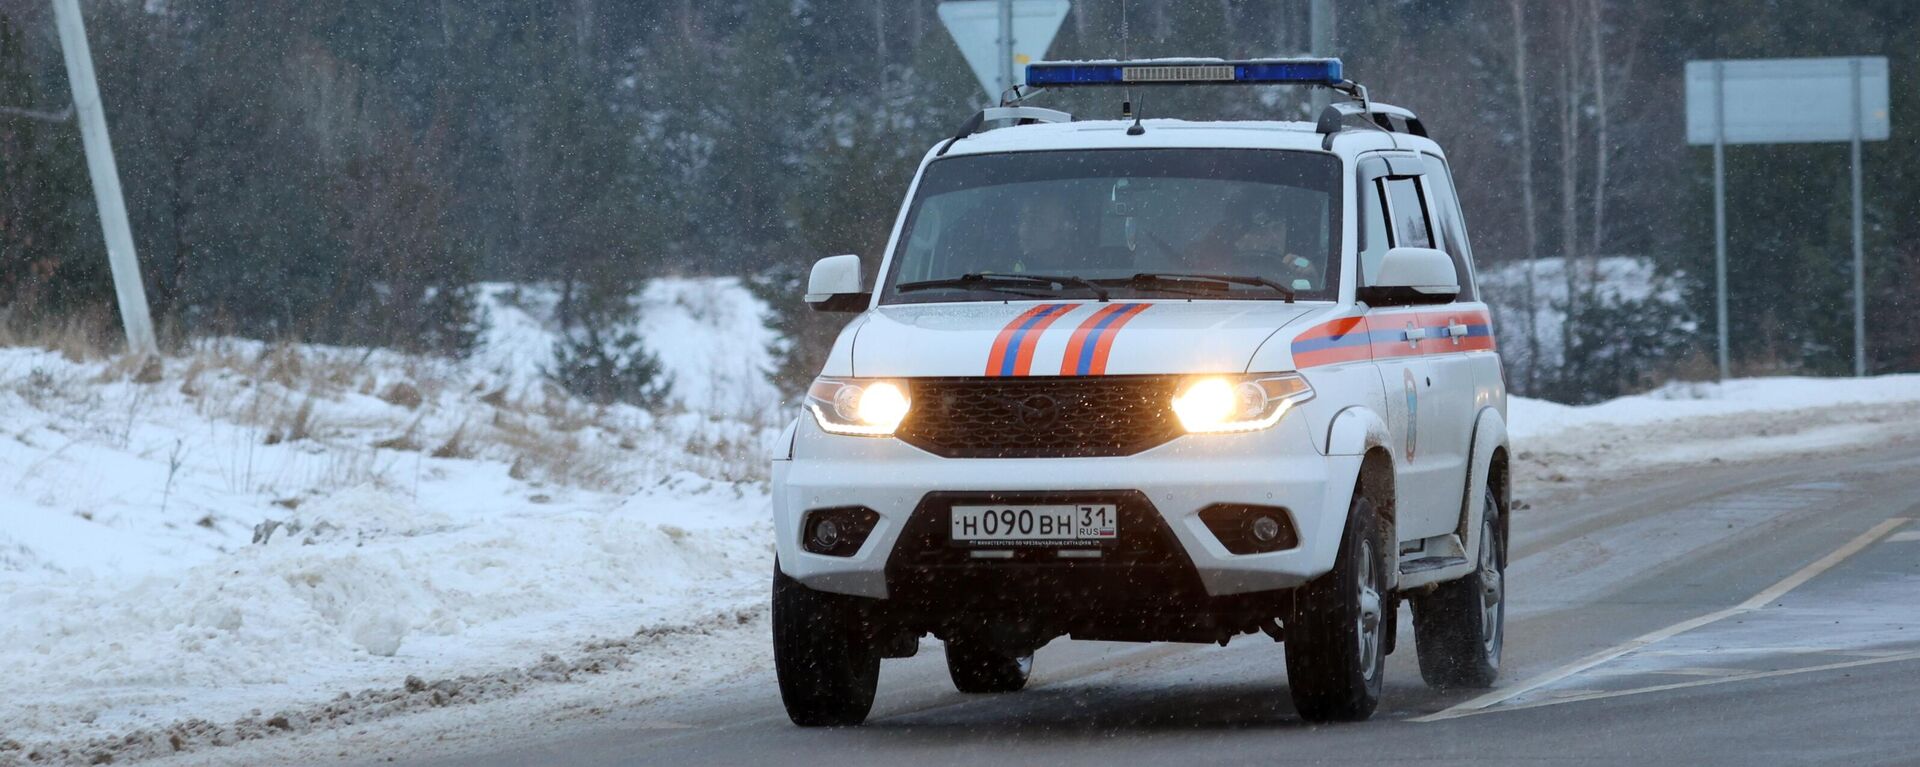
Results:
1692 423
257 530
1535 420
709 334
263 541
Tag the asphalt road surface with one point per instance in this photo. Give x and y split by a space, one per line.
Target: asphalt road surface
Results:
1756 614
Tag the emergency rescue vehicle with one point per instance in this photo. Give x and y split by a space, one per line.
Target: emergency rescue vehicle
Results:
1153 380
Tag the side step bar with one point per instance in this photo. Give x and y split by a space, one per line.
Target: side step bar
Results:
1424 564
1431 560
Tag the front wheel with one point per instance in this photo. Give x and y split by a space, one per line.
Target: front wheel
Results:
823 653
1460 627
1335 646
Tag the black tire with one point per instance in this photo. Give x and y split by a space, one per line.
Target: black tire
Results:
1333 670
978 667
827 664
1460 627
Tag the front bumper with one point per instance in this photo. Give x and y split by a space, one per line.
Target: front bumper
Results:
1272 467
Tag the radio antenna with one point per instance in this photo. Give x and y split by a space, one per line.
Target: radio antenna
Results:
1126 54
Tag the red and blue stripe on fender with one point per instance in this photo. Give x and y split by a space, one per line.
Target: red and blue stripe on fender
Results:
1384 335
1012 353
1332 342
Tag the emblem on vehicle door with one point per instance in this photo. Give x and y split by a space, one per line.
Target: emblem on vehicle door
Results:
1413 413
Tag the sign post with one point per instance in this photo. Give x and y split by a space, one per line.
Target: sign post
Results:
1779 101
1859 258
998 37
1720 211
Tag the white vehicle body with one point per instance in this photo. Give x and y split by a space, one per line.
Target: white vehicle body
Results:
1421 385
1153 381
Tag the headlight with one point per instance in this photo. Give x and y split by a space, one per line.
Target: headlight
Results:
1214 404
859 407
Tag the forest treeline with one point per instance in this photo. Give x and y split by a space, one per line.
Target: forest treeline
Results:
342 171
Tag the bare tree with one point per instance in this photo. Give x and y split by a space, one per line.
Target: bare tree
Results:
1570 82
1527 203
1602 148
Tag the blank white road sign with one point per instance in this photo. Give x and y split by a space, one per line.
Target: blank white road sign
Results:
1785 101
975 27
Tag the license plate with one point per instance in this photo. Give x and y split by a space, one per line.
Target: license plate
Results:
1045 525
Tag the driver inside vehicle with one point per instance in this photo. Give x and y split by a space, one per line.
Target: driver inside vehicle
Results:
1046 238
1252 239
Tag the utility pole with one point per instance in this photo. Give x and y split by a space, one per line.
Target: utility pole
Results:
127 287
1006 47
1320 33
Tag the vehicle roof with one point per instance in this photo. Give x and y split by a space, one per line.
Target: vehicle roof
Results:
1182 134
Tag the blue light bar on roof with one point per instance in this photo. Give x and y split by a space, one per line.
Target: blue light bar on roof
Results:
1069 74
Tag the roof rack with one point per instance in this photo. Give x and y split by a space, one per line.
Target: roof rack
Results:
1333 118
1320 73
1020 115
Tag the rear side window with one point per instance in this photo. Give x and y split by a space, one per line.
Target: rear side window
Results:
1452 225
1411 228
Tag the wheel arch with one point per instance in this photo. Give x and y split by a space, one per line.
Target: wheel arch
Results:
1355 431
1376 482
1500 476
1489 468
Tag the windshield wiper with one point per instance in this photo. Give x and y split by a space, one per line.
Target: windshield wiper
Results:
1003 283
1144 279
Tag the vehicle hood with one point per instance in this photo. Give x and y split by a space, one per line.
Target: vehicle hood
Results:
1068 338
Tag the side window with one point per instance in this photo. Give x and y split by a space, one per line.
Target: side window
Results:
1373 231
1410 225
1453 225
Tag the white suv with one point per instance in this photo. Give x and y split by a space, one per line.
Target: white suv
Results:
1152 381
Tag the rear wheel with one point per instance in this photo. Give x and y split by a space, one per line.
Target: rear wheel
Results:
827 663
977 666
1460 627
1335 642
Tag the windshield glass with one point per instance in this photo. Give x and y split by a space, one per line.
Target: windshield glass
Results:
1106 216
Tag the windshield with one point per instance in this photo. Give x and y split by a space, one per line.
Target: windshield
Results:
1106 216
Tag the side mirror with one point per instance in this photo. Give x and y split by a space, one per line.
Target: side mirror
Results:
834 285
1409 276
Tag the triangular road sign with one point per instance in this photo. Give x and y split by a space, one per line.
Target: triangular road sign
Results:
975 26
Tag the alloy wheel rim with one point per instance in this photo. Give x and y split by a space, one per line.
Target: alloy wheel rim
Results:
1367 623
1492 584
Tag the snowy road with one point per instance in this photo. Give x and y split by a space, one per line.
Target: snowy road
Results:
1703 616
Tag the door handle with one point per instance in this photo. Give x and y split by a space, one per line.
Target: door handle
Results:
1457 331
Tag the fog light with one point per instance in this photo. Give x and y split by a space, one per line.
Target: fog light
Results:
1265 529
1250 529
837 532
826 534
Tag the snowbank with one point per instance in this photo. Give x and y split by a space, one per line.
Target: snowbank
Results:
264 527
1532 420
709 334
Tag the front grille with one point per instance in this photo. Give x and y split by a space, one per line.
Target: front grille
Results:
1050 417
